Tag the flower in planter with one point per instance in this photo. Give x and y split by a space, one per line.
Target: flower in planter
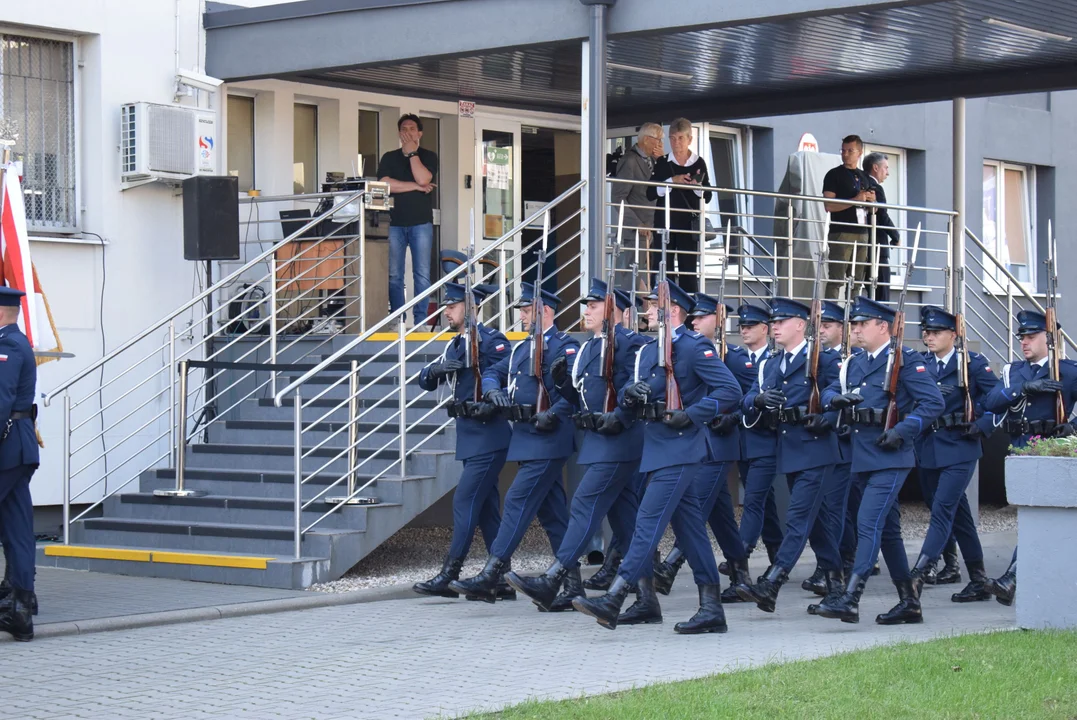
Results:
1047 447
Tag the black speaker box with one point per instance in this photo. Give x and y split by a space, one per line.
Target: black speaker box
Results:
211 217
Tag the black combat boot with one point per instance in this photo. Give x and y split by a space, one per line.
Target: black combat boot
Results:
740 576
5 592
710 618
16 617
923 563
604 576
542 589
772 553
646 610
438 586
724 568
765 593
835 587
607 608
951 570
666 571
571 588
847 606
974 591
929 575
816 583
907 611
484 585
1004 587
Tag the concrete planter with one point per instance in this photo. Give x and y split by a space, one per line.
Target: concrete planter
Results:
1044 489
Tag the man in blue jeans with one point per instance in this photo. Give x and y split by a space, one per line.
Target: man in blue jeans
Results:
410 173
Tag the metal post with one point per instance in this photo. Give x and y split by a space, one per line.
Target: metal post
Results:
951 294
172 389
874 257
67 468
181 442
958 238
272 322
1009 320
702 243
789 250
502 282
596 136
297 455
402 403
362 266
353 441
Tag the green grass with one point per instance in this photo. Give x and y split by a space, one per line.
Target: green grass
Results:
999 675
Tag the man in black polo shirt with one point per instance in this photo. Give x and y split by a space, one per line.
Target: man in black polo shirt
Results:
848 227
410 173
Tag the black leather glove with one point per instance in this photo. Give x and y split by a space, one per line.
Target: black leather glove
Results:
482 411
725 424
817 424
890 440
637 394
559 371
608 424
946 389
1041 386
845 401
677 419
444 368
497 398
844 432
1064 430
973 432
771 399
546 421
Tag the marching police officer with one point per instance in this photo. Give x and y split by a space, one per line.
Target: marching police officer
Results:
674 446
881 457
18 461
807 446
710 485
1025 399
541 442
948 451
482 436
610 451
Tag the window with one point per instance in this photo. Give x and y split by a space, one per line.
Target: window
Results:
37 107
1007 221
305 149
369 147
241 140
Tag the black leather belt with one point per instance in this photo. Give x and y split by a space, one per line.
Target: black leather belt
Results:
872 417
950 420
520 413
22 415
1021 426
792 415
652 411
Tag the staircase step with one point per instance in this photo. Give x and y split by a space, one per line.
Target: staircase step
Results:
242 482
329 426
425 403
334 434
185 535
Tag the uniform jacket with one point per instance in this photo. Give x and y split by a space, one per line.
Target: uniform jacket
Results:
513 373
798 449
707 389
1008 401
588 390
756 440
918 400
845 444
473 437
943 447
18 381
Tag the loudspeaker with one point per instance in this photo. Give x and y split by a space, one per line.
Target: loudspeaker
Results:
211 217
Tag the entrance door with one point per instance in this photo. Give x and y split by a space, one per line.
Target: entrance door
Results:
497 144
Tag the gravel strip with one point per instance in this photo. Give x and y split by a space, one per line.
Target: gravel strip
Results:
415 554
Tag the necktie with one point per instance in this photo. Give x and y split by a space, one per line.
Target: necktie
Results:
942 367
788 360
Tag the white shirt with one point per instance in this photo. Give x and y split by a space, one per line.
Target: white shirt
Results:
692 158
874 354
945 359
795 351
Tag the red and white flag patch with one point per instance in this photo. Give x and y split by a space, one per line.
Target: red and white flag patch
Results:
708 353
921 368
988 369
747 364
3 358
499 348
570 351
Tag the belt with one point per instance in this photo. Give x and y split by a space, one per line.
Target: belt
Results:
792 415
951 420
872 417
22 415
651 411
1021 426
586 421
520 413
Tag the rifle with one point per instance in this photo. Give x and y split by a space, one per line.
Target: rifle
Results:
631 315
536 339
471 323
897 341
961 346
719 310
815 338
609 327
665 327
1053 354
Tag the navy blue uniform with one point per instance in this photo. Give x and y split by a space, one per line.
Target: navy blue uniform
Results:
673 456
537 488
883 472
1024 416
609 484
758 465
18 455
480 444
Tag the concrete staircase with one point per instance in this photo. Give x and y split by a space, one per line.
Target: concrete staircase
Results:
241 532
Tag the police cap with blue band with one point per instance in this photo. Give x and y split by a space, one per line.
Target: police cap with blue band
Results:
786 308
864 308
676 296
752 315
454 293
832 312
1030 322
933 317
597 293
527 296
707 305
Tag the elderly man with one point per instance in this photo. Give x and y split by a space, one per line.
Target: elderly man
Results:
878 169
637 164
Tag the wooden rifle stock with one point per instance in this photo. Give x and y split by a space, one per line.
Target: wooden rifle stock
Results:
673 390
471 321
1054 361
609 403
897 361
969 411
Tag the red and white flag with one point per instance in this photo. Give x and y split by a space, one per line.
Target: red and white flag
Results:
17 269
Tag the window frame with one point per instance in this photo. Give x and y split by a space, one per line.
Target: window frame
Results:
898 254
361 108
996 282
254 133
317 140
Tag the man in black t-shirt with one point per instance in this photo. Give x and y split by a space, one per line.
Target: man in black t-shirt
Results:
848 225
410 173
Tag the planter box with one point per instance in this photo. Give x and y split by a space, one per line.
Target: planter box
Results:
1044 489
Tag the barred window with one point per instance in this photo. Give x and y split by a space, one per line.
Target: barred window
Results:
37 105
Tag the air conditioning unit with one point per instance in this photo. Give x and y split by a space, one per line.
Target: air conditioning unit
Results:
166 142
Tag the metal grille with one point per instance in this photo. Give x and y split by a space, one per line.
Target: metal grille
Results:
37 102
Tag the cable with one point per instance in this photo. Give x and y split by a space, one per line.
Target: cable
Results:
101 380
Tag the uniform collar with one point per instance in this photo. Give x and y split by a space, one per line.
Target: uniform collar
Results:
878 353
1042 362
796 351
946 360
678 331
755 355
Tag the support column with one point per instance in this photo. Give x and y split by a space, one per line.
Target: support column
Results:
957 254
594 118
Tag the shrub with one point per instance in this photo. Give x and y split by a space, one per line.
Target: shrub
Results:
1047 447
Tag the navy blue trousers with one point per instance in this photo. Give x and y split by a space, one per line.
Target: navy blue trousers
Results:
17 525
536 490
944 492
599 493
879 524
806 491
760 514
476 502
666 496
717 507
627 503
852 509
830 523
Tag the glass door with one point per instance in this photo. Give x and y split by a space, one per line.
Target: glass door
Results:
497 189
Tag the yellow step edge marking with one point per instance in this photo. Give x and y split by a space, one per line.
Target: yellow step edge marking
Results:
443 336
232 561
97 553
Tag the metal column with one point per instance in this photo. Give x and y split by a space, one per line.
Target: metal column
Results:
596 135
